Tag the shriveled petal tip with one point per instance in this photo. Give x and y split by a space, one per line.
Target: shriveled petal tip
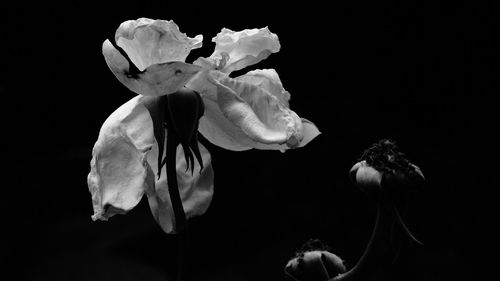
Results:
237 50
196 189
120 173
365 176
149 42
309 131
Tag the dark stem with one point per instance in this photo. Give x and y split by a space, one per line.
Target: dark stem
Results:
377 254
175 198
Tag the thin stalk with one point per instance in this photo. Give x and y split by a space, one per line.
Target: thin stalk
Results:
375 255
175 198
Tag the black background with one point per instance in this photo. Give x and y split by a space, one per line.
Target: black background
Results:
424 75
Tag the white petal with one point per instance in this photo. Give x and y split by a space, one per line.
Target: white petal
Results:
120 173
309 131
149 42
269 80
257 113
213 124
215 127
240 115
196 189
201 83
124 166
157 80
243 48
206 63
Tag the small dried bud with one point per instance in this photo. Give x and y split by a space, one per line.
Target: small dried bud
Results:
314 263
384 167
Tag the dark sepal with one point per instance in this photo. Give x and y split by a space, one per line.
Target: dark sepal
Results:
188 155
185 108
156 107
196 150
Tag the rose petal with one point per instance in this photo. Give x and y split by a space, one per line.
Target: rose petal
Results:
269 80
239 115
213 124
149 42
196 189
257 113
120 173
309 131
124 166
156 80
243 48
215 127
206 63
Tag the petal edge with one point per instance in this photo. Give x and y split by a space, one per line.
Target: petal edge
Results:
120 174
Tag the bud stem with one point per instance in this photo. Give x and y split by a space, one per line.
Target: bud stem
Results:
179 214
377 252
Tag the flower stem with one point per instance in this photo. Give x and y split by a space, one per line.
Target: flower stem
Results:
179 214
377 253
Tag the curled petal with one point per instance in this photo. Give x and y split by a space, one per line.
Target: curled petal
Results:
269 80
149 42
240 115
213 124
257 113
120 173
196 189
156 80
220 131
237 50
124 165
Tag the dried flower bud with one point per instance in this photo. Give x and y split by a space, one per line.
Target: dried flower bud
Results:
314 263
383 167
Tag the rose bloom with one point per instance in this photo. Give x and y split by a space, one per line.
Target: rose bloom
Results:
241 113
